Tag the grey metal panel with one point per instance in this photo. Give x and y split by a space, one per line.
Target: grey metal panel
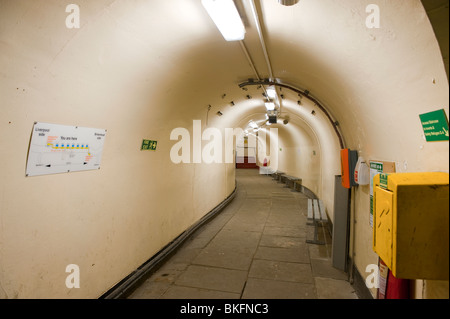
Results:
316 210
323 213
310 209
341 225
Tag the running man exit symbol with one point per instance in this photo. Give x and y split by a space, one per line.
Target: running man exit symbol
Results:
148 145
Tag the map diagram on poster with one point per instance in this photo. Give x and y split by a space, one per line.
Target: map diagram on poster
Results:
61 149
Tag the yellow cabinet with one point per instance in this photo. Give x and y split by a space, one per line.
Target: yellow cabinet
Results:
410 224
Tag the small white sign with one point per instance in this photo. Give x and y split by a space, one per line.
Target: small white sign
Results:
58 148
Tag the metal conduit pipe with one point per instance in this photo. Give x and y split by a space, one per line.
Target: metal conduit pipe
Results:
252 64
250 61
261 37
308 96
264 48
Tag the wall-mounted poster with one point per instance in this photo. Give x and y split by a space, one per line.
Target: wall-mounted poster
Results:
435 126
58 148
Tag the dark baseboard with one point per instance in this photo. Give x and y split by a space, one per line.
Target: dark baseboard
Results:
127 285
359 284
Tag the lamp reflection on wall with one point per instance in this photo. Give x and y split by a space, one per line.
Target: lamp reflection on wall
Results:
226 17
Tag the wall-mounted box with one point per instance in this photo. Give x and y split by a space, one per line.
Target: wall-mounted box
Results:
349 159
411 224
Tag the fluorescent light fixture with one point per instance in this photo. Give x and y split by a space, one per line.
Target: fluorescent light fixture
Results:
270 106
271 92
226 17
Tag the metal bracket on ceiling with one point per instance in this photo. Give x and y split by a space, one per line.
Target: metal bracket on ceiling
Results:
304 93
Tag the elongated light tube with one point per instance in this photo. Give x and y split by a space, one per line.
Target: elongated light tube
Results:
226 17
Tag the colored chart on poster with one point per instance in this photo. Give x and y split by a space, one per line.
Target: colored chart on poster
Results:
58 148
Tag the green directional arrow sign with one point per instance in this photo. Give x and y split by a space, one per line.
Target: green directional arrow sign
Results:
435 126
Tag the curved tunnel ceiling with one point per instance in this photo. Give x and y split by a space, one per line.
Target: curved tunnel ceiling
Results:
172 62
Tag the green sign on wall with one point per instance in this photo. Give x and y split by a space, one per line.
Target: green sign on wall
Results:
148 145
435 126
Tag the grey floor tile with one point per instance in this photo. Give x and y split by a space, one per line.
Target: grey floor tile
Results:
226 257
285 231
328 288
281 241
270 289
320 252
282 271
150 290
226 280
295 255
254 249
197 242
179 292
184 256
323 268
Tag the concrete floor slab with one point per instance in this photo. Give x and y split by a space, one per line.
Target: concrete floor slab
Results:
150 290
179 292
254 249
296 255
271 289
282 271
226 257
227 280
328 288
323 268
285 231
281 241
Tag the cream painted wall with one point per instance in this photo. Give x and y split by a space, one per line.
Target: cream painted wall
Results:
376 83
110 221
296 155
140 70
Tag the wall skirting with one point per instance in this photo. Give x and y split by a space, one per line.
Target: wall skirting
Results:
126 286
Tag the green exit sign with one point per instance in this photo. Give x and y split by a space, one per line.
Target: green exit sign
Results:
148 145
435 126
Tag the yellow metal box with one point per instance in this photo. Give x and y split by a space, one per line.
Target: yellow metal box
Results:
410 224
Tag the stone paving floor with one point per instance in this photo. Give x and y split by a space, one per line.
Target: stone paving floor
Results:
254 249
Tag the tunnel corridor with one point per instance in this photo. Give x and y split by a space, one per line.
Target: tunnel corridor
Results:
123 124
255 249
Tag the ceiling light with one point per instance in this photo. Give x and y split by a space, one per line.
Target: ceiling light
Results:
271 92
288 2
270 106
226 17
